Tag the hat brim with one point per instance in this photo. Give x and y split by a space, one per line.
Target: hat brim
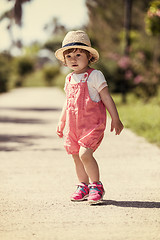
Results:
59 53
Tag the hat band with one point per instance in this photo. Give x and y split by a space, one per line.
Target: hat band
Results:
75 44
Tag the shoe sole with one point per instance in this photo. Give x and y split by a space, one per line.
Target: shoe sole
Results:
95 202
79 200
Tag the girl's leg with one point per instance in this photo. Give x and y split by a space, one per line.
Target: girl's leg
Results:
80 170
87 167
90 164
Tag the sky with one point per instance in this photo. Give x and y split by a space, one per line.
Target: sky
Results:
37 13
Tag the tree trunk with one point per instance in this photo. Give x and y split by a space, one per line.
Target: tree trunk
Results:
127 25
127 29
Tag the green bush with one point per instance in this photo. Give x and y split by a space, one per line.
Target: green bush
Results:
153 18
137 73
5 69
49 73
24 66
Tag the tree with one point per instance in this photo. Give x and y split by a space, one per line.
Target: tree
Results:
17 10
14 15
126 51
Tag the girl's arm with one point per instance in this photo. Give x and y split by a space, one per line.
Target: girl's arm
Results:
111 107
62 121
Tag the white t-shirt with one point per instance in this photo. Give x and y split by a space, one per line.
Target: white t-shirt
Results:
96 82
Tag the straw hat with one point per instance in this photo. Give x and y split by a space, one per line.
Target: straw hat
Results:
76 39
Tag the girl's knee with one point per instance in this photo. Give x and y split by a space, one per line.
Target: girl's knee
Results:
85 154
75 158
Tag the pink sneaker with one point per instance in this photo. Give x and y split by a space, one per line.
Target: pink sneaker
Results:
96 192
81 193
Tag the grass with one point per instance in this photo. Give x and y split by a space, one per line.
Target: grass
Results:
32 80
142 118
36 79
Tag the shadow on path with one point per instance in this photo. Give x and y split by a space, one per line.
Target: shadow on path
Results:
6 119
31 109
22 120
21 140
129 204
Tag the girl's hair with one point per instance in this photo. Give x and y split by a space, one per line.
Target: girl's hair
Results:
88 54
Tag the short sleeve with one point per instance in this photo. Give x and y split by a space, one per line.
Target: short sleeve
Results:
98 80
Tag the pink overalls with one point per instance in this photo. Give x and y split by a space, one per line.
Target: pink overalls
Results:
85 119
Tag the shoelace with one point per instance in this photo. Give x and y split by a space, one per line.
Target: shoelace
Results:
93 188
80 188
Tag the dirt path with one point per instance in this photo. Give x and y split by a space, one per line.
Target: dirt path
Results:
37 178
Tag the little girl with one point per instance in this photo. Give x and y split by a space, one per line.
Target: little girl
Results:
84 113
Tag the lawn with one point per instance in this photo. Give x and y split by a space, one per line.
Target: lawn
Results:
142 118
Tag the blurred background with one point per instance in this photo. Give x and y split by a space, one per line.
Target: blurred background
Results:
125 32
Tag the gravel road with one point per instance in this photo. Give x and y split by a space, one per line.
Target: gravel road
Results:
37 178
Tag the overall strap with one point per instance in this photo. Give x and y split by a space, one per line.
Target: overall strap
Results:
89 71
69 76
86 75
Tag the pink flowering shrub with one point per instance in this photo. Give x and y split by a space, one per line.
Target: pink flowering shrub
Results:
137 73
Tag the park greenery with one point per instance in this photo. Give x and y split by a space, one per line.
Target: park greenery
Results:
127 35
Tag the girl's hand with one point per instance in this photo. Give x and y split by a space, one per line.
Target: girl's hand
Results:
117 125
60 129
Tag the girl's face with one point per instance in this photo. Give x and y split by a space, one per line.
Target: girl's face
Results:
77 61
